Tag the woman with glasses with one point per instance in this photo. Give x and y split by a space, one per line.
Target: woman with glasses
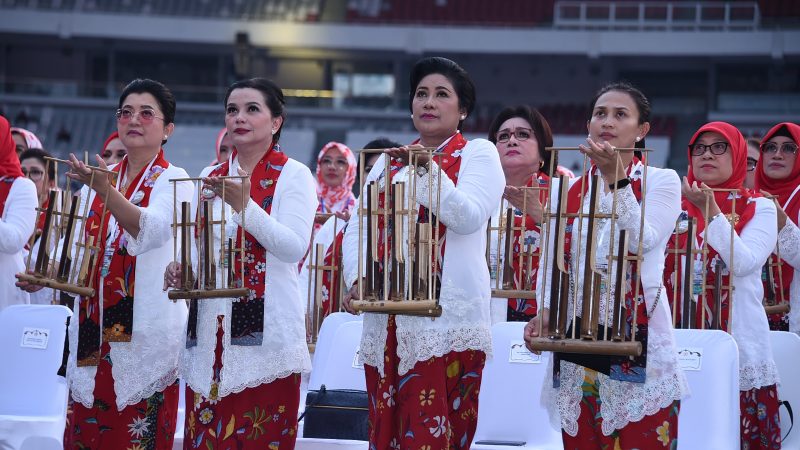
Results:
125 341
423 376
336 174
778 174
717 154
520 135
34 166
244 357
17 218
617 401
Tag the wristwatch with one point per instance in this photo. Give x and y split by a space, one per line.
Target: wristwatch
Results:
619 184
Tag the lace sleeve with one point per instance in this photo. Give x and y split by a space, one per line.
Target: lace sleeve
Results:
753 246
789 243
156 217
662 208
467 207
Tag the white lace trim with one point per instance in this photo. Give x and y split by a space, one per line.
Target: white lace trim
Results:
422 345
373 341
763 373
242 367
148 232
789 239
449 212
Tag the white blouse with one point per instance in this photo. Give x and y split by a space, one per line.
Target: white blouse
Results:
285 233
789 247
464 298
16 227
749 326
149 362
625 402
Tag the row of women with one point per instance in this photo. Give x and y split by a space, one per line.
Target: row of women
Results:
242 359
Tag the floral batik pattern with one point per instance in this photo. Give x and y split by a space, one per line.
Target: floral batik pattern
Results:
760 418
433 406
657 431
147 425
261 417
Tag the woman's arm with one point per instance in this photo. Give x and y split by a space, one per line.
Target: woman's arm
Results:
19 220
753 246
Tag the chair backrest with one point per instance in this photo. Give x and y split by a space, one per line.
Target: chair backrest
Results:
32 345
709 417
785 350
509 406
340 371
322 350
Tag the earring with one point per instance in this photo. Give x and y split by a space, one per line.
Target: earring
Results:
165 137
412 115
273 131
638 138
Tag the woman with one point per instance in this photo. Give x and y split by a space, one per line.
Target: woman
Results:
24 140
620 402
18 209
125 346
717 154
244 357
34 166
113 149
336 174
778 174
223 147
521 135
439 361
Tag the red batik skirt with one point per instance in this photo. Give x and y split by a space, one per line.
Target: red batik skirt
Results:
760 418
149 424
262 417
659 430
433 406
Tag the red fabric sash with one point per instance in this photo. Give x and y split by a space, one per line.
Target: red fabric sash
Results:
114 267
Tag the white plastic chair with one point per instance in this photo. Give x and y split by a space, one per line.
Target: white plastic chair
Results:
33 398
337 371
709 417
327 332
180 422
785 350
509 407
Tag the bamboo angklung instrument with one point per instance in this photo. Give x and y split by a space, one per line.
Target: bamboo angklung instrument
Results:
401 274
315 311
206 283
579 324
72 269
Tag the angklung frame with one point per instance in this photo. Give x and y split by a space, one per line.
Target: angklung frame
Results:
560 335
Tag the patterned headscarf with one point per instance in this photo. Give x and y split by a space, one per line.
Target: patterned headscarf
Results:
339 198
222 133
30 139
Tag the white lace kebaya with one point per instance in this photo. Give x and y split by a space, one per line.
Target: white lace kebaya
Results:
285 233
465 210
17 224
789 247
625 402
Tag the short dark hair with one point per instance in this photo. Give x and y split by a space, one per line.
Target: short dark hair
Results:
458 77
381 142
164 97
273 97
642 103
40 155
539 125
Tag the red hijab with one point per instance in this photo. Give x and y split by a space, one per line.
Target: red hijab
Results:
782 189
737 146
9 162
111 137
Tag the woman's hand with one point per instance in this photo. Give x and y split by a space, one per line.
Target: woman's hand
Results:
343 215
699 195
532 328
173 275
782 217
26 286
527 197
402 153
80 172
606 159
349 296
237 192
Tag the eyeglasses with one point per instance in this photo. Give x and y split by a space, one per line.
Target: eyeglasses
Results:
787 148
717 148
33 174
751 164
522 134
145 115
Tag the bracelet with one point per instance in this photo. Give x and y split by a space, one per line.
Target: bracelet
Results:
619 184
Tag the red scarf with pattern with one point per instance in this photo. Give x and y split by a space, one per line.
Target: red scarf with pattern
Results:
114 267
247 314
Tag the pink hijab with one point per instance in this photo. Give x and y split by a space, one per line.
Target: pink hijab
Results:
222 133
339 198
30 138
